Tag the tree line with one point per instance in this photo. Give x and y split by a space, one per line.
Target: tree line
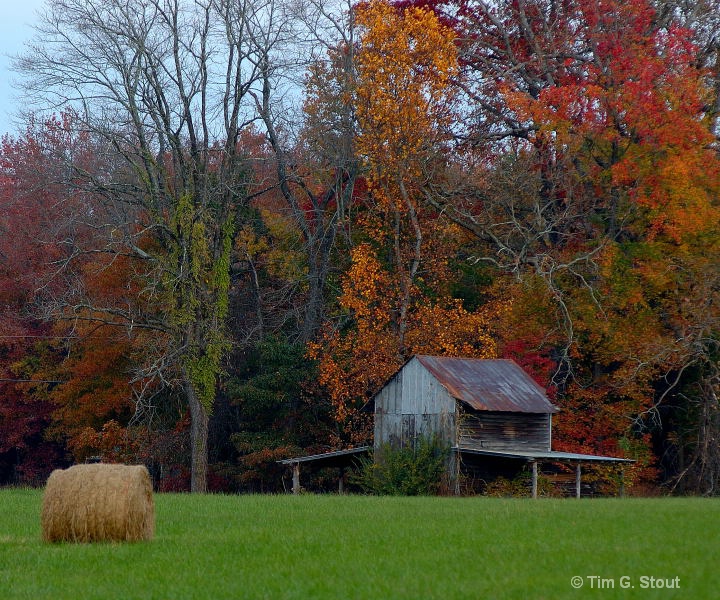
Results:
227 223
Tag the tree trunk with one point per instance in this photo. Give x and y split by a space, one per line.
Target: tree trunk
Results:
317 274
199 420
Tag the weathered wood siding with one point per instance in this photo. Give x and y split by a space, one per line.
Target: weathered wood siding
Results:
413 403
508 431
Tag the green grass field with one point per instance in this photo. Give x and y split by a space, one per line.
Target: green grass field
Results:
227 547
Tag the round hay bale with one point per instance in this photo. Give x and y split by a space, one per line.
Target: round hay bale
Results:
97 503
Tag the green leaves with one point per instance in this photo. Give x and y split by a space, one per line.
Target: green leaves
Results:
414 470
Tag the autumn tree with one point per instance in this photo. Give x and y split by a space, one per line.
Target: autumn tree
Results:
33 225
404 110
312 149
396 298
702 20
163 85
560 156
594 173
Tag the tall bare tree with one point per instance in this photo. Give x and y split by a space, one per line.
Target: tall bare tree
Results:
165 86
313 149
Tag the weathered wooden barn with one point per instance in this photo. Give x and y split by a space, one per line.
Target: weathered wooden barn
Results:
470 403
492 414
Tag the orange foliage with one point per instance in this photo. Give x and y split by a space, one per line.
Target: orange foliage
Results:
112 443
95 400
96 388
626 129
356 362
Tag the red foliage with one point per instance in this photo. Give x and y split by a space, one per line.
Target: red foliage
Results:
534 361
71 386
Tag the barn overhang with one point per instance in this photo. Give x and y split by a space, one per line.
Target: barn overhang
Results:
337 458
328 459
542 455
533 457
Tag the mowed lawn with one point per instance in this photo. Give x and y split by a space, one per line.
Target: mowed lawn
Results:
236 547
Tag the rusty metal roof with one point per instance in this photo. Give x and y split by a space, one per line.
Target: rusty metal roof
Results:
485 384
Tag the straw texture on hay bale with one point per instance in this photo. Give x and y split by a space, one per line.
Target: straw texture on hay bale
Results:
98 502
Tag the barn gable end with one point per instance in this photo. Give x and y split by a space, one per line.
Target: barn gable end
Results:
413 403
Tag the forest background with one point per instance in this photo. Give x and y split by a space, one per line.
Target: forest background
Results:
227 223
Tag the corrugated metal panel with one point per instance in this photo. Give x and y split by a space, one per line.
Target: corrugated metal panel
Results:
499 385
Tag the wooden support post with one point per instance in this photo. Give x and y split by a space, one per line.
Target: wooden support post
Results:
454 472
341 482
577 480
622 480
534 478
296 478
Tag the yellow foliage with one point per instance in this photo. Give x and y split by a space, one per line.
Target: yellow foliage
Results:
406 61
